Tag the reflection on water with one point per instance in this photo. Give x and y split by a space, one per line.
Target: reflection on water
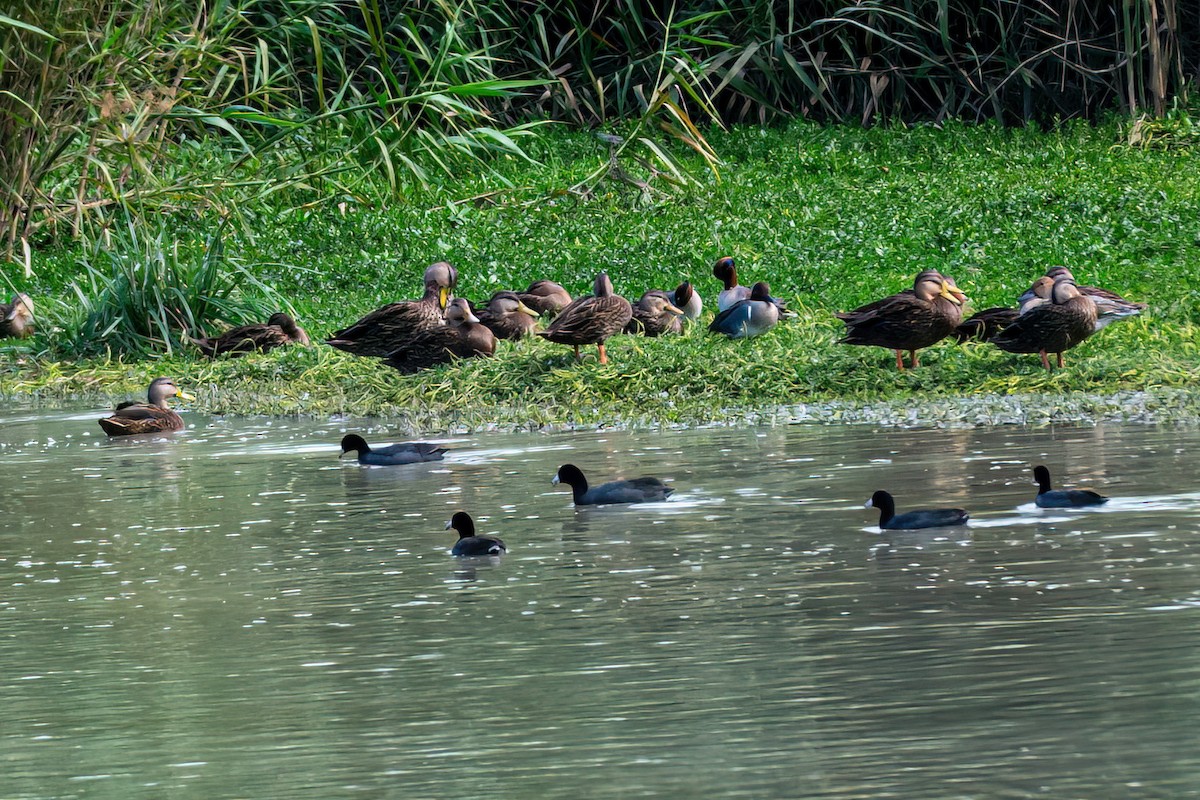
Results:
232 612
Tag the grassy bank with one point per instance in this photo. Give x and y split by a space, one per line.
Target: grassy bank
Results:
832 217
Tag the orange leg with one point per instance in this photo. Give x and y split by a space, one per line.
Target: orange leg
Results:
603 355
1045 361
577 356
900 360
1061 363
916 362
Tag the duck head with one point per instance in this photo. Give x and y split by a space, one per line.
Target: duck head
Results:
603 286
459 312
726 271
22 308
503 303
441 278
163 388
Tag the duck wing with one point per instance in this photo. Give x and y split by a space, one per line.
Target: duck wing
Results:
900 322
589 320
385 329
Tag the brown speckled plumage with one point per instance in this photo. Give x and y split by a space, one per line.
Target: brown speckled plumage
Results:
16 317
545 297
279 331
131 419
655 315
385 329
507 317
463 336
591 319
908 320
1053 327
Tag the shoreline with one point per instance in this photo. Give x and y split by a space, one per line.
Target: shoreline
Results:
282 398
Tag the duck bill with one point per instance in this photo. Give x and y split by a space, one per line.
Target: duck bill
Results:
443 296
524 309
674 310
554 481
182 395
449 525
471 318
950 294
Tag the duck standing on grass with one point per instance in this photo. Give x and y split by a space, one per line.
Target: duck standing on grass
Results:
153 416
16 317
469 544
392 454
983 325
279 331
1053 327
388 327
1110 306
907 320
753 316
591 319
463 336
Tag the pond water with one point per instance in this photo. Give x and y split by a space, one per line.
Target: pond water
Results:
232 612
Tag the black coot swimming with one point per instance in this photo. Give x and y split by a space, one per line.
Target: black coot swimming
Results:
638 490
913 520
1062 498
392 454
468 543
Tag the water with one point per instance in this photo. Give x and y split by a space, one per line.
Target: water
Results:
234 613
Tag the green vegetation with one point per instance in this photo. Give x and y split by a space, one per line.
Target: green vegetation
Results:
831 216
109 105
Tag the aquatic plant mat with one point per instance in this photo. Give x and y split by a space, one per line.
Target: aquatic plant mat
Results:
832 216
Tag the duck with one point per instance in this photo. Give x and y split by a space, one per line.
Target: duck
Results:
684 296
468 543
983 325
393 454
907 321
508 317
1110 306
637 490
153 416
16 317
463 336
913 520
1053 327
753 316
725 270
547 298
655 315
383 330
591 319
280 330
1062 498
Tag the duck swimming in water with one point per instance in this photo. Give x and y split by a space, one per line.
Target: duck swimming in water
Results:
153 416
